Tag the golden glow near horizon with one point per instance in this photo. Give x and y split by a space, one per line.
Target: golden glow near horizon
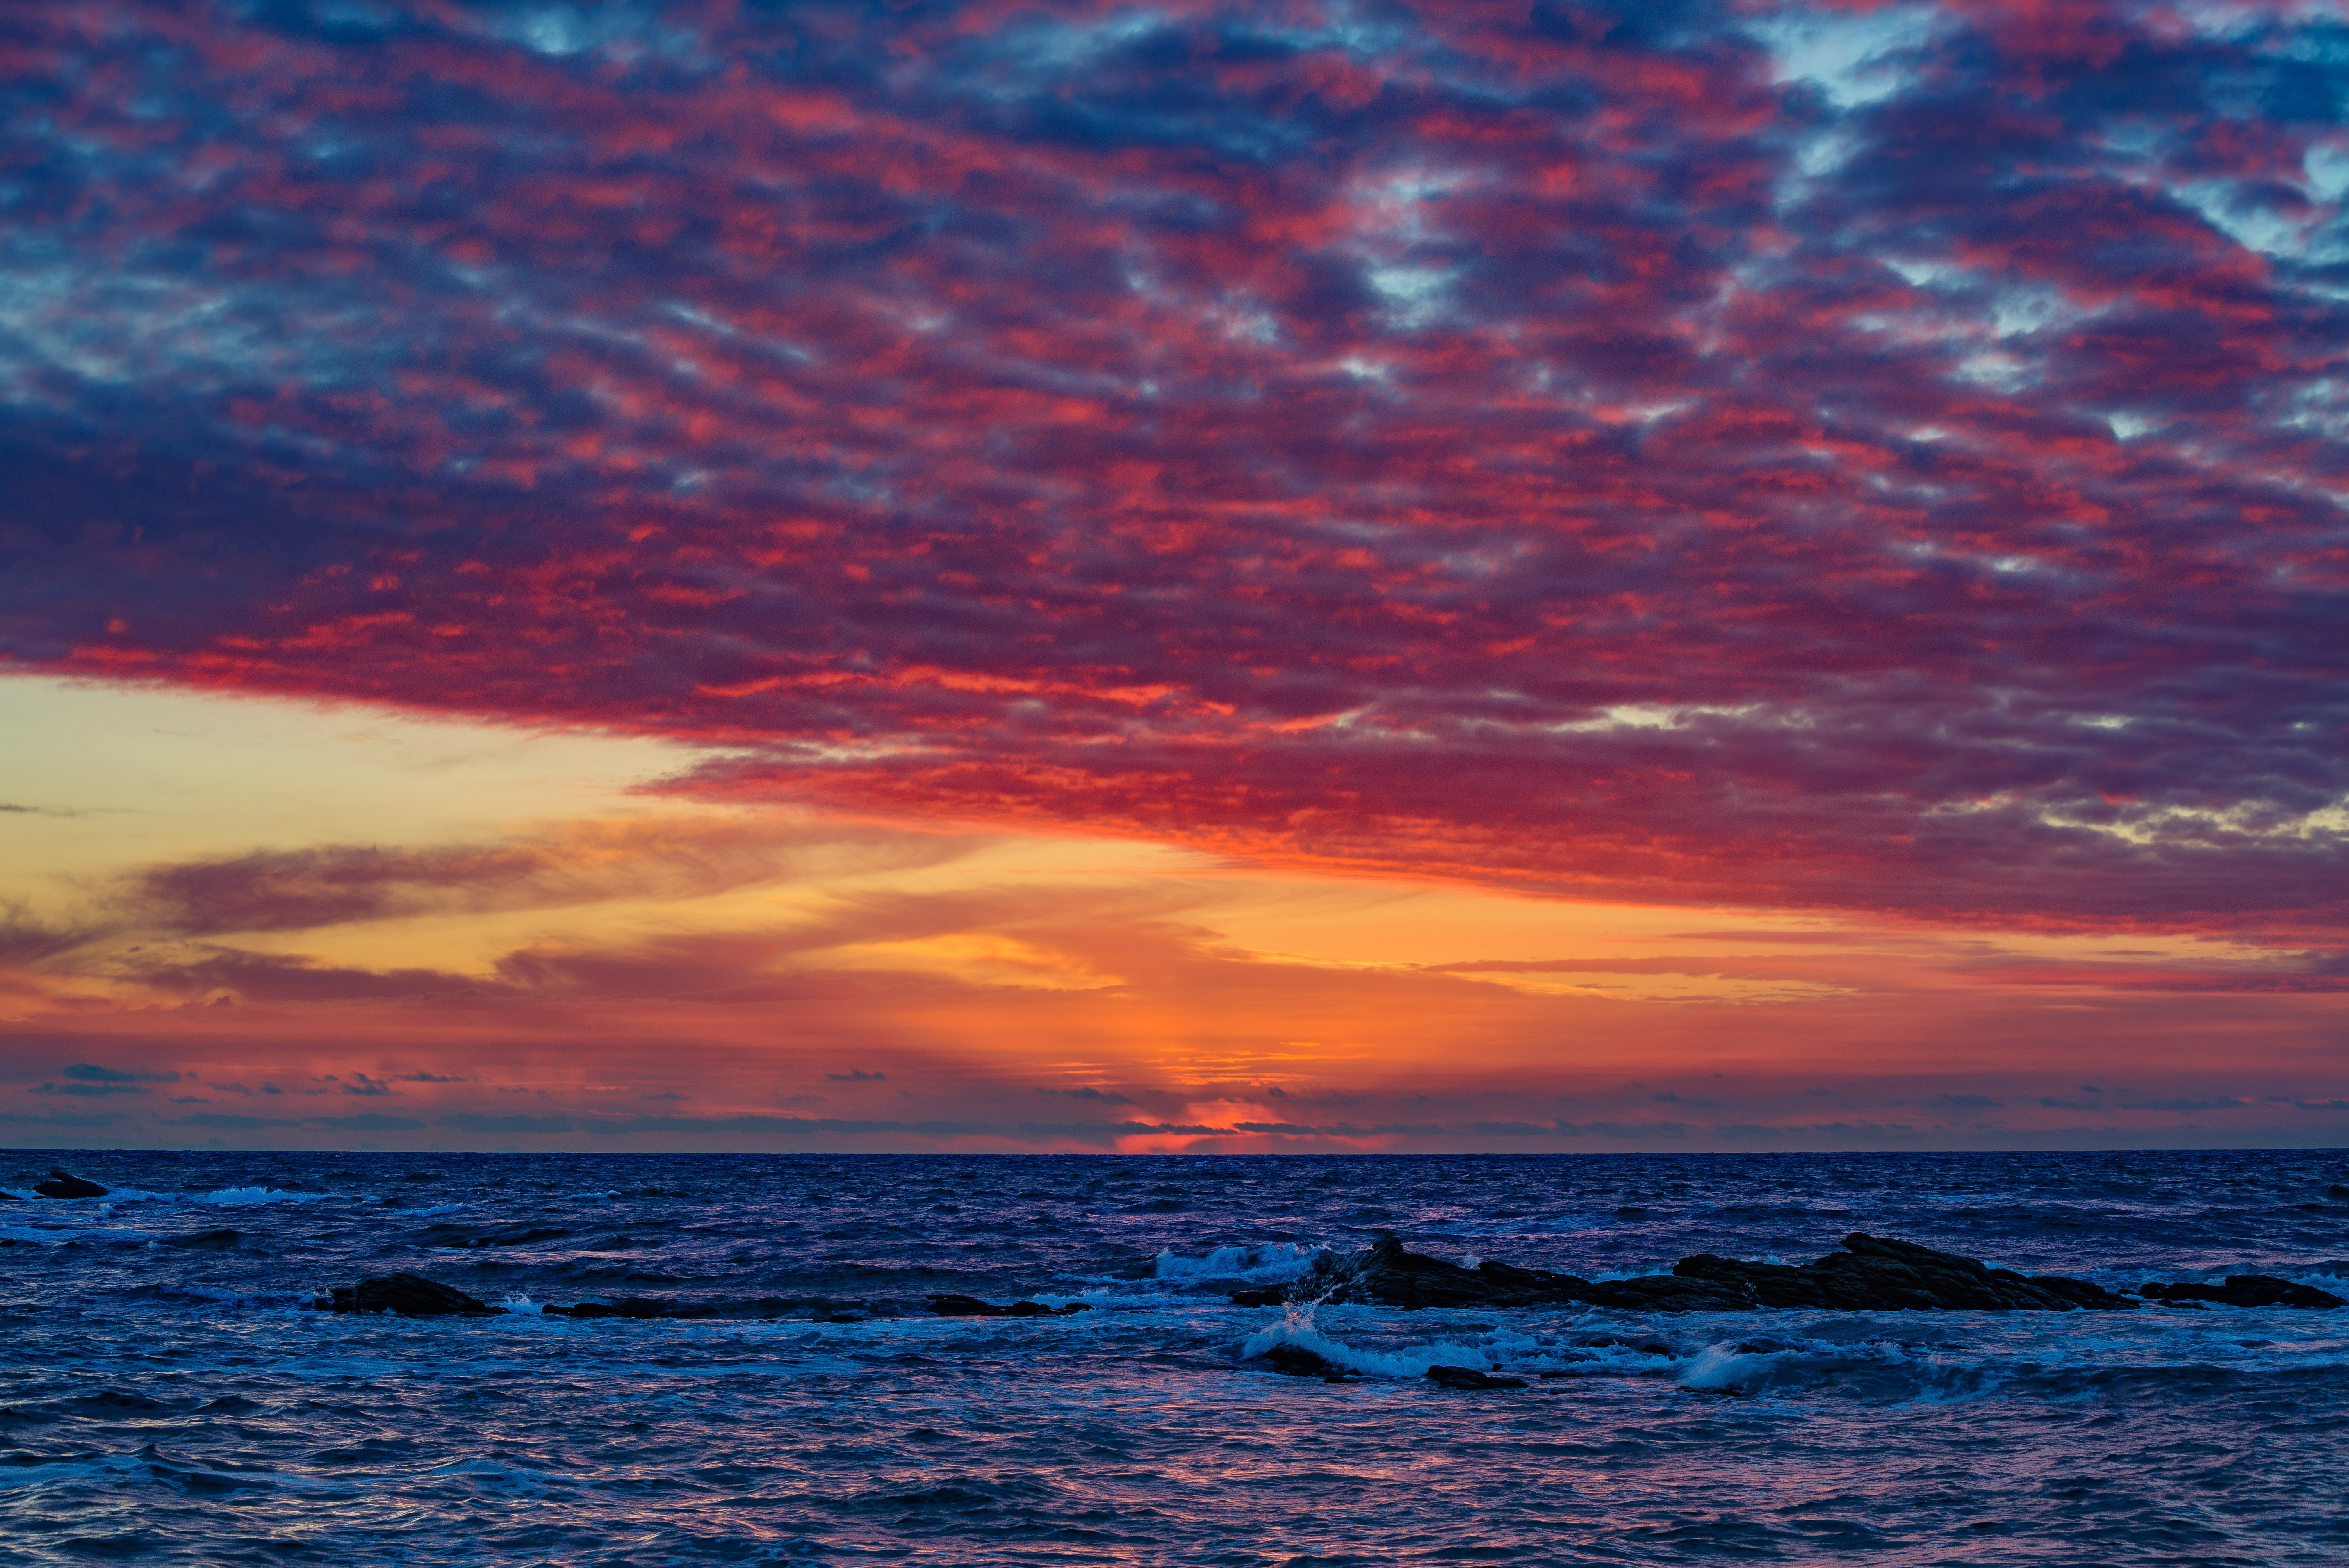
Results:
262 886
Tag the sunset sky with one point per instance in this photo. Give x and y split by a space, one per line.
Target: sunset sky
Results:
1313 577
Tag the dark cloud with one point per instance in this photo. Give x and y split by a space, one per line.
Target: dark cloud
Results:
858 1076
1095 1095
89 1081
293 890
91 1072
1576 453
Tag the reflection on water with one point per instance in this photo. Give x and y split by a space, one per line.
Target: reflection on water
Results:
169 1402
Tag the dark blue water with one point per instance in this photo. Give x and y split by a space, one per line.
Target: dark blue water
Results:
175 1406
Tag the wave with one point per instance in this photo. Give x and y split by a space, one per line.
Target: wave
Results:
1264 1263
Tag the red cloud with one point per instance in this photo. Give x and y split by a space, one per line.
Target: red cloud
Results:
1560 448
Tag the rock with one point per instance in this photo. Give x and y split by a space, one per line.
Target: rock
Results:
410 1296
1871 1274
64 1184
971 1306
1469 1377
2246 1290
8 1197
1883 1275
205 1241
1296 1361
1387 1273
1262 1295
2337 1191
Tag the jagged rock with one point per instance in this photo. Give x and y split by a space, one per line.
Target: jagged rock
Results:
205 1241
1260 1296
65 1185
971 1306
410 1296
2246 1290
1871 1274
1469 1377
1386 1274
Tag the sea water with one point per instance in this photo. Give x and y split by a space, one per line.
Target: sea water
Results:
188 1405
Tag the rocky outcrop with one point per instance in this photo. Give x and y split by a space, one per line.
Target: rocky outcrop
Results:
971 1306
409 1296
1871 1274
66 1184
1876 1274
2245 1290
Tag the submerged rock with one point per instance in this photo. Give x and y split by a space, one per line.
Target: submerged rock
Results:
1469 1377
205 1241
65 1185
1296 1361
409 1296
2244 1290
971 1306
1871 1274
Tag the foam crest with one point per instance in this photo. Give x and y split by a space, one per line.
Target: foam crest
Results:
247 1197
1407 1361
1265 1262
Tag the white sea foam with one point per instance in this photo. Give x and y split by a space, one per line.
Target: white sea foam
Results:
245 1197
521 1305
1266 1261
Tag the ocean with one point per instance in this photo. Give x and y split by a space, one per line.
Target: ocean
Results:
172 1394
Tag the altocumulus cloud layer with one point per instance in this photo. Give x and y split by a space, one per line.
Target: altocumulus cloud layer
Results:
1866 458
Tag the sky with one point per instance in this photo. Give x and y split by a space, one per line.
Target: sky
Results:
1252 578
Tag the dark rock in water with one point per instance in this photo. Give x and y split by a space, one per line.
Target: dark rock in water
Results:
1262 1295
410 1296
971 1306
1469 1377
8 1197
65 1185
2246 1290
2337 1191
205 1241
1387 1273
1871 1274
1296 1361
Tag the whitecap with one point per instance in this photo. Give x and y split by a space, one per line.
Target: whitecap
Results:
1264 1262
